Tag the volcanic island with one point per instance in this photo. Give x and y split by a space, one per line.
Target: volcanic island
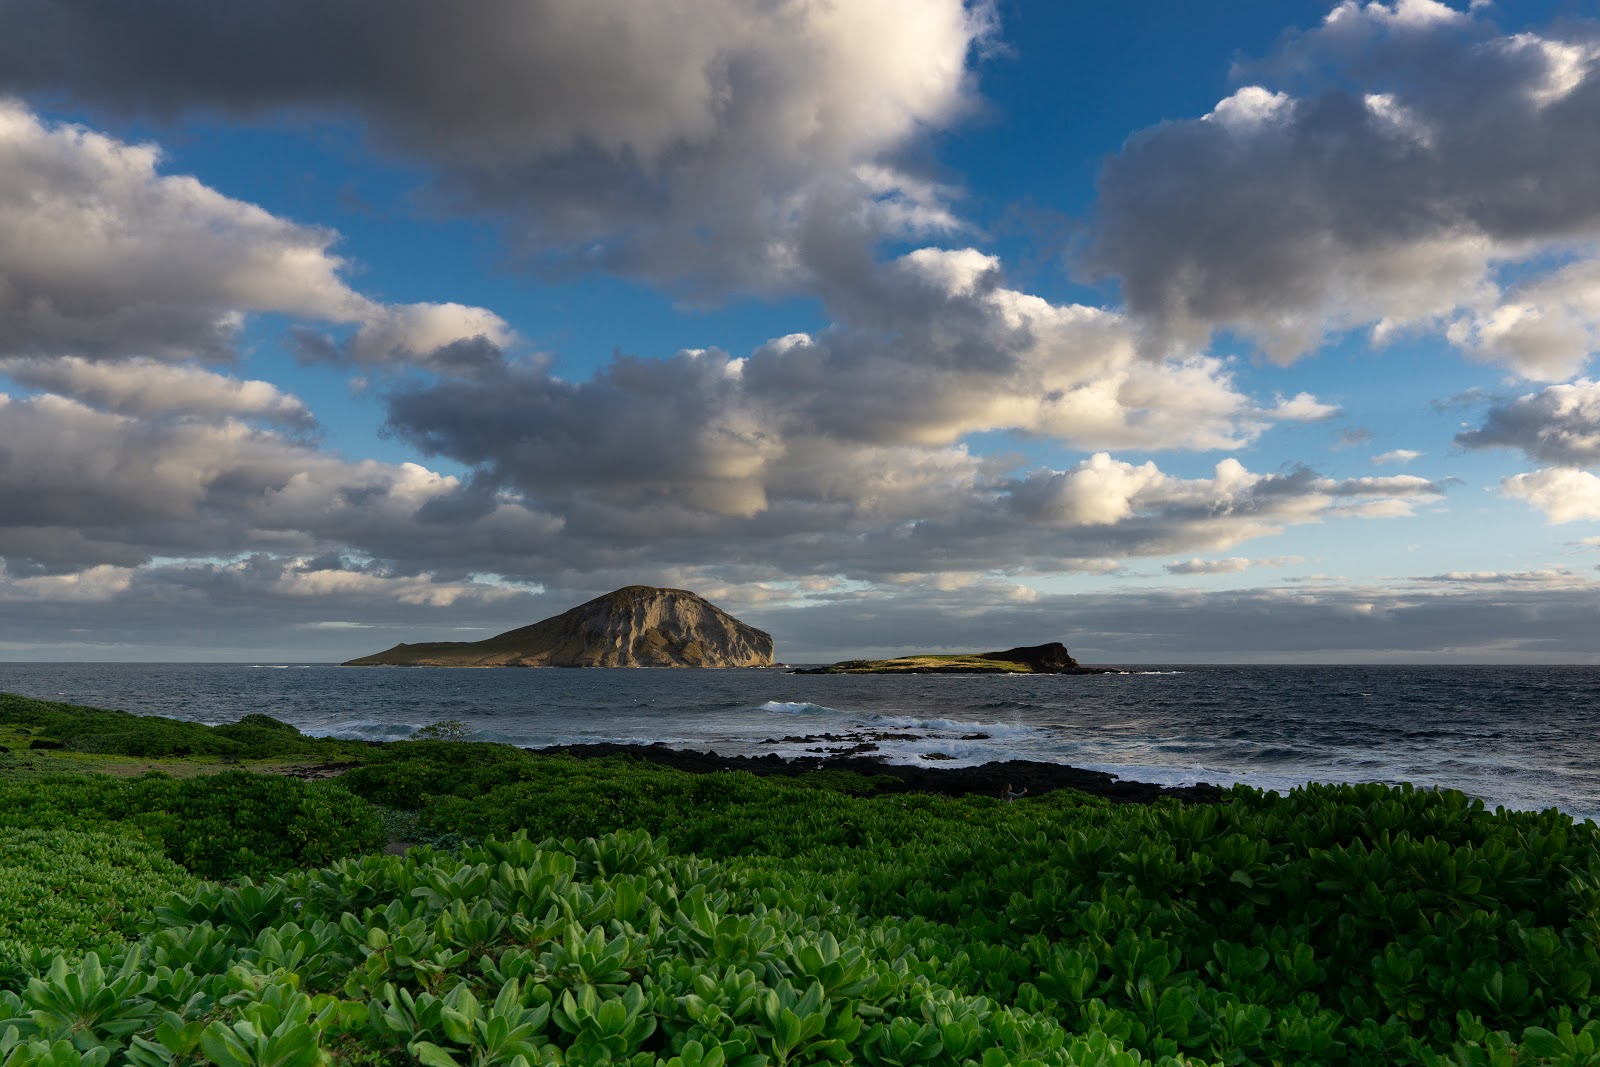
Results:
636 626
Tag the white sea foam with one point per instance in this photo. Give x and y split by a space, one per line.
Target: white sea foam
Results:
996 730
366 730
796 707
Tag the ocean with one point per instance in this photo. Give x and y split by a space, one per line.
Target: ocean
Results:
1522 737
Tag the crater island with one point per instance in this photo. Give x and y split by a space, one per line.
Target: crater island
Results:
636 626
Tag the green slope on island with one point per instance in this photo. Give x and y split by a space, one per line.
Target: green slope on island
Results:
1051 658
637 626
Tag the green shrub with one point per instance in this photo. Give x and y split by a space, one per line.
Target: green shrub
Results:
69 892
445 730
1352 924
615 950
224 825
404 774
106 732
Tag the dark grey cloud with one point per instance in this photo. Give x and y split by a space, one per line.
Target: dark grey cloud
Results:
1379 170
721 143
1558 425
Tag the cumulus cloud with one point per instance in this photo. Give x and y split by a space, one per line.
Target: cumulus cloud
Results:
1394 168
148 388
869 414
1563 494
720 143
847 451
1559 424
81 487
1546 327
1396 455
103 256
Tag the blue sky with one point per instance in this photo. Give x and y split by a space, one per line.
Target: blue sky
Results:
1177 332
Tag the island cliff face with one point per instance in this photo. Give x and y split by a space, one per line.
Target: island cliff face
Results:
637 626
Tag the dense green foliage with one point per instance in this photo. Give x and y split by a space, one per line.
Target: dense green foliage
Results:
119 733
218 826
1362 919
614 950
70 892
497 790
821 920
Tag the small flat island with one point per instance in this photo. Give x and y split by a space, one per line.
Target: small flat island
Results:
1050 658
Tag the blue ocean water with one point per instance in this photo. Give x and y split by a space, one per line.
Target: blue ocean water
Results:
1523 737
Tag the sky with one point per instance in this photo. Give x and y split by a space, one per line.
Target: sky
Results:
1245 332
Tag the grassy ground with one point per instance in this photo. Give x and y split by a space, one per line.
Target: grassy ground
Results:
973 663
22 763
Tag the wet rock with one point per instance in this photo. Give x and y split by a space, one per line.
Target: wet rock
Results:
988 779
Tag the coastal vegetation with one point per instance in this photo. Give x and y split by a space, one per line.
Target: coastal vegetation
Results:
616 912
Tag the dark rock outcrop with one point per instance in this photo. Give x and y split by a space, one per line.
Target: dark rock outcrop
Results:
1049 658
986 780
637 626
1044 658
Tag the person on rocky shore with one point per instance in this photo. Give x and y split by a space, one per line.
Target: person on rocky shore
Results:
1008 796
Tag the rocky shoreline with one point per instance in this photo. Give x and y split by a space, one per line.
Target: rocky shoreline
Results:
987 780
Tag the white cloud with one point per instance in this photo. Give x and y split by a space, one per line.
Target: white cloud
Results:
1400 167
1250 108
1563 494
1396 455
101 256
1196 565
1303 407
93 585
300 580
147 388
1229 565
1100 491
